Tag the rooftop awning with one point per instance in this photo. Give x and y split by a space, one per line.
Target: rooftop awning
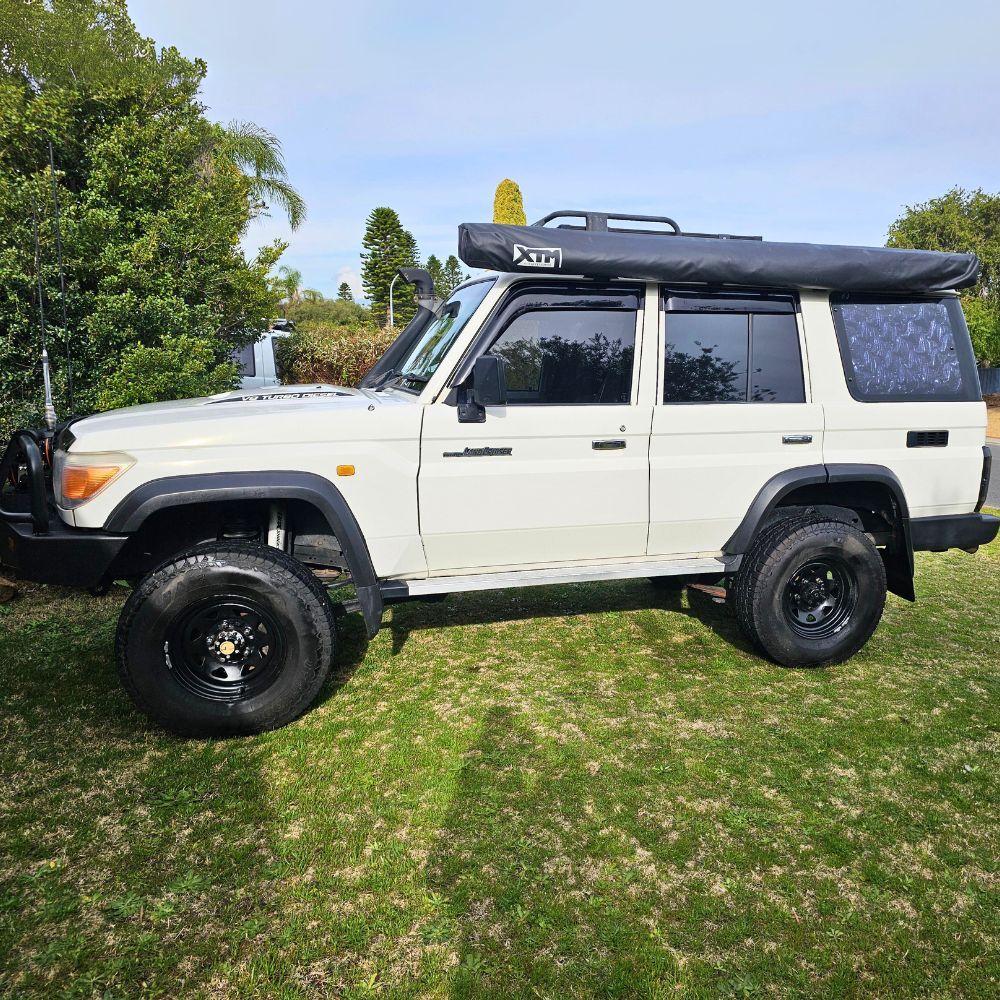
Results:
700 260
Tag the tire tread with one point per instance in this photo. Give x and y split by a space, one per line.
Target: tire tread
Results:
286 570
754 581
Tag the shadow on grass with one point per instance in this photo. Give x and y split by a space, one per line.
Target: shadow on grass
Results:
132 862
567 600
528 867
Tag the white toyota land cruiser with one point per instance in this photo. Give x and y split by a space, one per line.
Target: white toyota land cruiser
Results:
611 402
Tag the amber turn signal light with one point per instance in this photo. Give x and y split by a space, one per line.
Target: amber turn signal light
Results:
345 470
81 482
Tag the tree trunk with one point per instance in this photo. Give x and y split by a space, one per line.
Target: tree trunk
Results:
8 591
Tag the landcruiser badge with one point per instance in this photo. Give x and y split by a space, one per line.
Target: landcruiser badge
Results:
486 452
537 256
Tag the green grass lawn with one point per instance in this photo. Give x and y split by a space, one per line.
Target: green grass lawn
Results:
570 791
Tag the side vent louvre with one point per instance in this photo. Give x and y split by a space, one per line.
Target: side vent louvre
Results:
927 439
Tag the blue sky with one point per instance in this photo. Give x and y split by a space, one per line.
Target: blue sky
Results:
787 120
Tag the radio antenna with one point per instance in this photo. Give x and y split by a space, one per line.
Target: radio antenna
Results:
50 410
62 279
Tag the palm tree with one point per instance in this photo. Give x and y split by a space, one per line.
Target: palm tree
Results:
288 284
256 153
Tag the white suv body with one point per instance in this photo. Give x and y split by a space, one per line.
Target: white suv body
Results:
546 428
680 486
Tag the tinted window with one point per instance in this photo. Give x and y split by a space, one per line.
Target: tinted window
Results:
706 359
731 357
776 364
244 359
568 356
435 341
895 349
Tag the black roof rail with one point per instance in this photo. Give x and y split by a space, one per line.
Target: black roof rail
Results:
597 222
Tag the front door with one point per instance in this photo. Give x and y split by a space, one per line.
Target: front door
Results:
560 473
732 411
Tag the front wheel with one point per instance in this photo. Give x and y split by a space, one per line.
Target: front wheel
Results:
810 591
227 639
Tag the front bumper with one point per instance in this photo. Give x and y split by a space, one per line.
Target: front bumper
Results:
69 557
34 542
955 531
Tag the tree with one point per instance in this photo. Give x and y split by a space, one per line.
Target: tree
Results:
328 312
508 206
344 292
173 370
452 275
982 315
154 202
288 285
965 222
436 271
387 248
257 153
447 277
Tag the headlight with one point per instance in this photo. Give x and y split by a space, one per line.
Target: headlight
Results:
79 478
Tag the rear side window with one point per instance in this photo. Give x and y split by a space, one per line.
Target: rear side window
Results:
905 349
245 361
731 350
568 356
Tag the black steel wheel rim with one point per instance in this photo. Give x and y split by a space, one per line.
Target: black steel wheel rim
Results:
226 648
820 598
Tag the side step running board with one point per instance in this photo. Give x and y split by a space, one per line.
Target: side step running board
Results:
563 574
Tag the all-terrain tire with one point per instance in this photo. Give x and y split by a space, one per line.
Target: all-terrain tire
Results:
781 524
810 591
227 639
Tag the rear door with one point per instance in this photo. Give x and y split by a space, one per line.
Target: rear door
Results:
733 410
560 473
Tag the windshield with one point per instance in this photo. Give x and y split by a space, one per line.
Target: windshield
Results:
429 351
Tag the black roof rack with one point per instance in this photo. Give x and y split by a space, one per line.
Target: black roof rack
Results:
597 222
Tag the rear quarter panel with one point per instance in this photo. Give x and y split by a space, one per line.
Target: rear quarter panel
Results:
935 481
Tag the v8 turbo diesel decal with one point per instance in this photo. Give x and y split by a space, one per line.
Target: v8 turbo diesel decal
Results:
258 397
537 256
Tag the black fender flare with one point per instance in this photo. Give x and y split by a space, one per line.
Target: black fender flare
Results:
175 491
899 569
850 473
769 496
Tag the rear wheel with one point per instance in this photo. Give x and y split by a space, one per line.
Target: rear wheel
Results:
810 591
229 638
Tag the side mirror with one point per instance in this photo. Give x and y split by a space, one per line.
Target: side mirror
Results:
489 381
489 388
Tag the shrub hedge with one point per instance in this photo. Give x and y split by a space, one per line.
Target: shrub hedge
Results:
339 355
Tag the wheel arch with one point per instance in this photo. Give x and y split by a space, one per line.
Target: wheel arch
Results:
209 490
873 492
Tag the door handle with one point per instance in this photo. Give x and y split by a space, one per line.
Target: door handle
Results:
615 444
796 439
